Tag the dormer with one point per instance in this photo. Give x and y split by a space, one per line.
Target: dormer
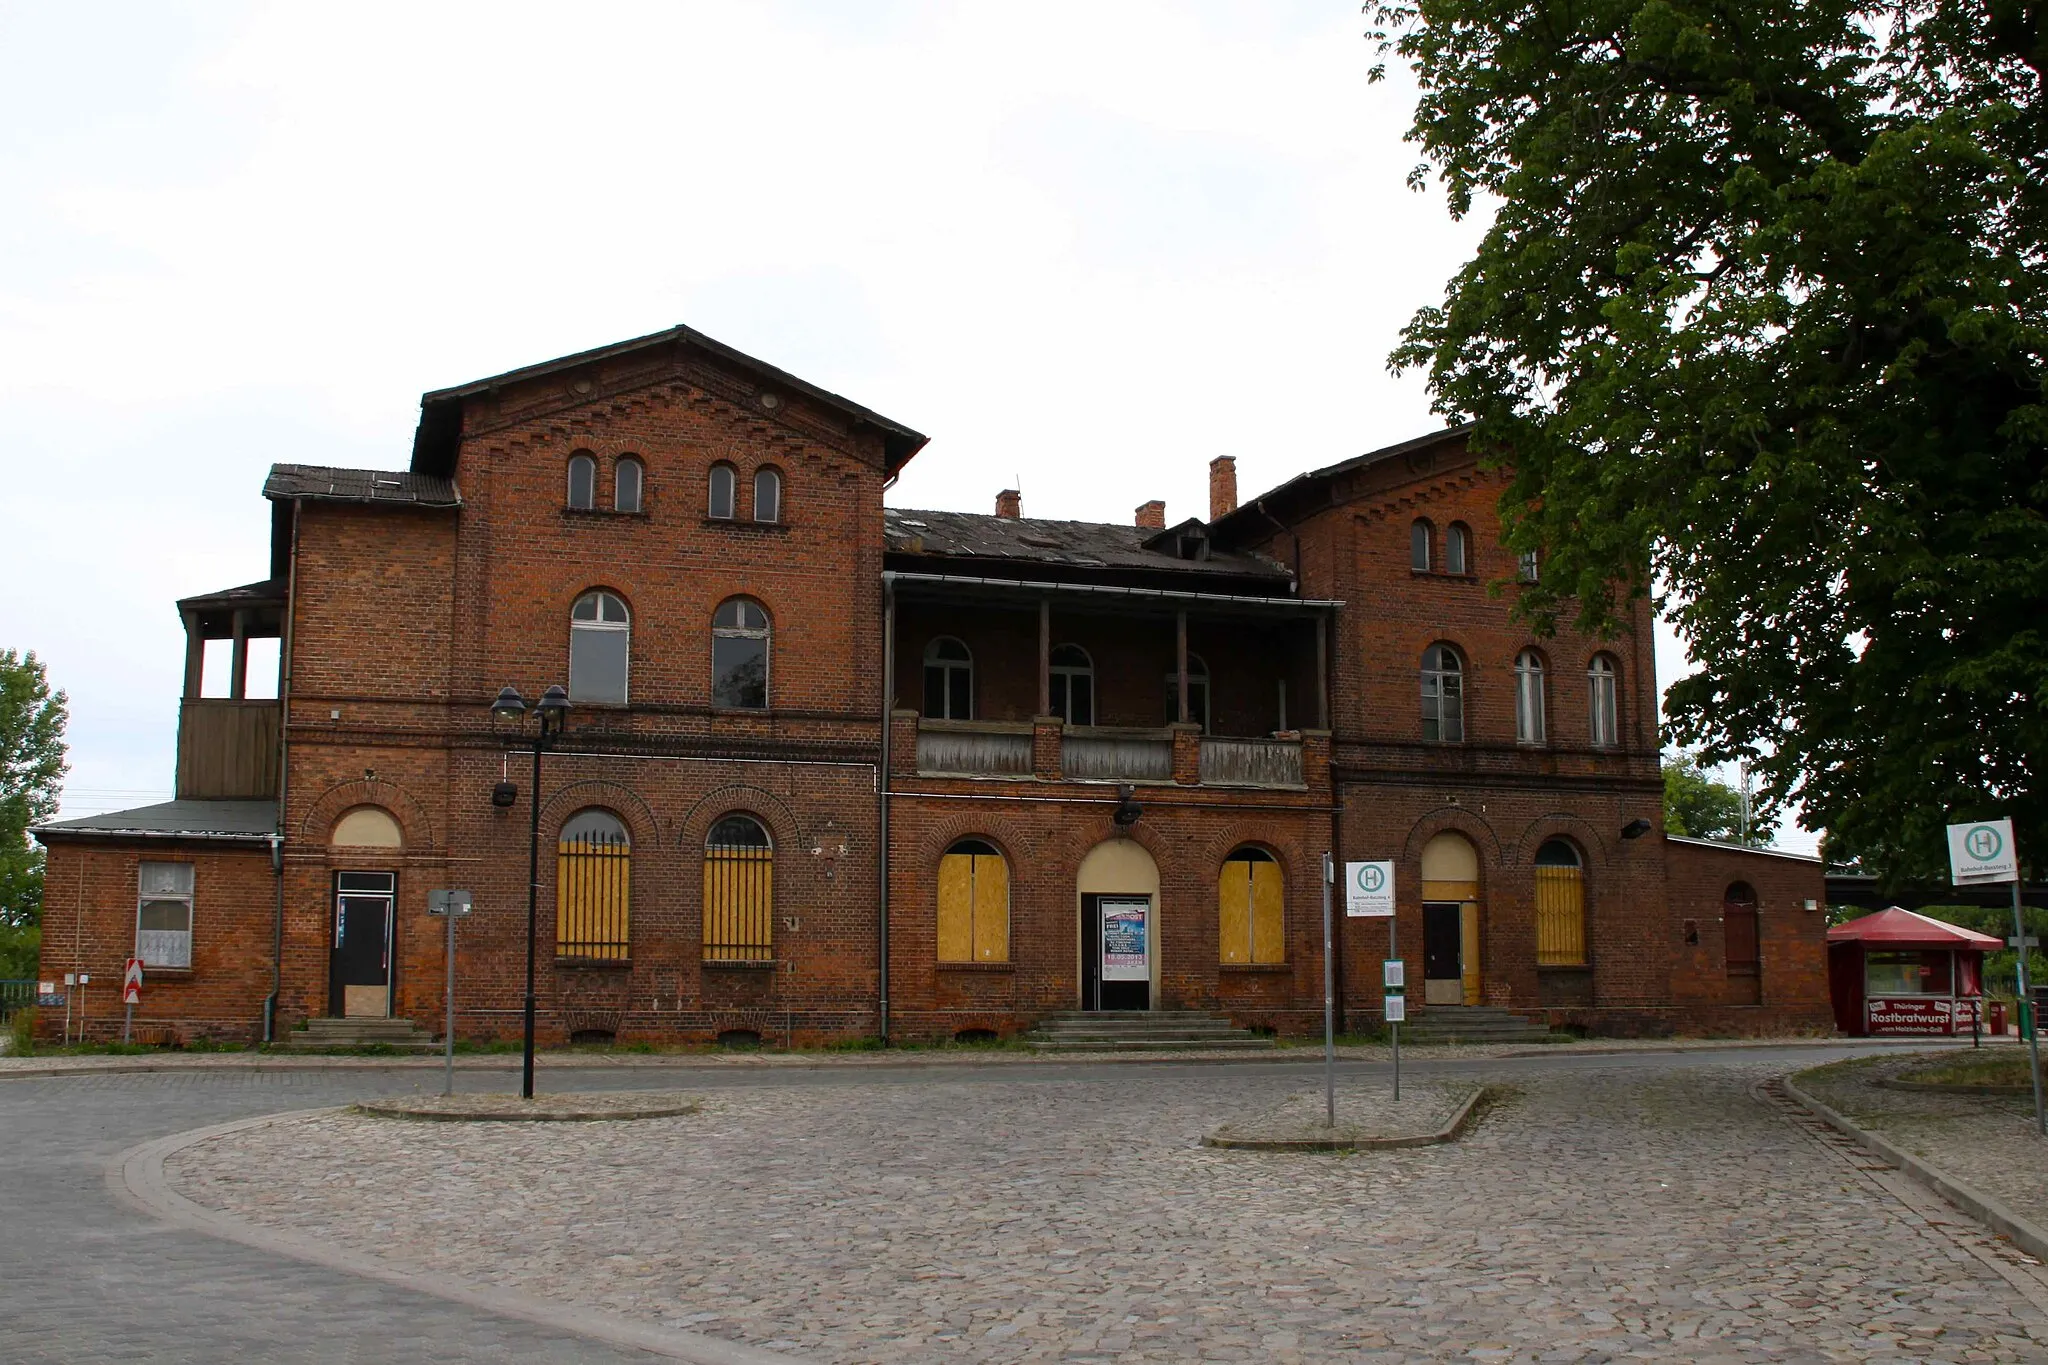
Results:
1188 540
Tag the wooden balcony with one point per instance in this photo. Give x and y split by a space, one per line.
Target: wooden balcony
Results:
1100 753
227 749
1251 762
974 748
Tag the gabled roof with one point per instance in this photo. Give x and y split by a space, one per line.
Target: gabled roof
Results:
230 821
321 483
1067 544
1305 492
440 428
1904 929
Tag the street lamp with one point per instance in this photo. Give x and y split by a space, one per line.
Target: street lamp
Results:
551 711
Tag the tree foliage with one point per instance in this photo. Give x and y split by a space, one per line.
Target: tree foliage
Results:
31 775
1759 327
1702 807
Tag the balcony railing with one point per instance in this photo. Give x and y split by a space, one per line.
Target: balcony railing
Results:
977 748
1117 756
227 750
1251 762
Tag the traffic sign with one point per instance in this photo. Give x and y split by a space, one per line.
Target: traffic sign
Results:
1368 890
1982 851
131 982
448 902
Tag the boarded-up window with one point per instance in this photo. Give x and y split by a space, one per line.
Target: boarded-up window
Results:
739 892
974 904
593 888
1560 906
1249 915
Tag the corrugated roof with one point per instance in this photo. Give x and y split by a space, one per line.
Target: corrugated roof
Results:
321 483
1074 544
1248 511
175 819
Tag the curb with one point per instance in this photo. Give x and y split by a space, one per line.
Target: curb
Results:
1451 1130
384 1109
136 1178
1993 1213
1307 1056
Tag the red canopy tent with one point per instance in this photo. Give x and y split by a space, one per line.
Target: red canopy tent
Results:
1898 972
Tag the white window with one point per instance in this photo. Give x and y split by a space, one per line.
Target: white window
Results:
1457 549
1528 697
1198 693
600 632
1601 676
739 655
626 481
1525 566
1443 695
723 484
767 495
582 481
1072 685
1419 538
948 680
163 914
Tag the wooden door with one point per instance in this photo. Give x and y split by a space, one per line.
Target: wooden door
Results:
1443 955
1742 949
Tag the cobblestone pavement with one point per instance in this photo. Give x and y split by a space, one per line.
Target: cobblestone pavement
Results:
1984 1140
1620 1208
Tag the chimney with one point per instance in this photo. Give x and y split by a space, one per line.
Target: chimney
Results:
1152 516
1222 486
1010 504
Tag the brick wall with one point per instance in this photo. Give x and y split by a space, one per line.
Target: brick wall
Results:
1791 940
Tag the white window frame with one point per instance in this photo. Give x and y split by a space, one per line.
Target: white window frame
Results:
732 492
947 668
773 476
1603 702
1443 701
587 462
1530 727
177 888
1066 673
623 628
639 476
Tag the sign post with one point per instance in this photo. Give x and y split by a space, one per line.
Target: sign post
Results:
1984 851
1329 1002
131 996
451 905
1369 894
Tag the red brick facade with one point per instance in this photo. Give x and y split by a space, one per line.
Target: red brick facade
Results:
406 612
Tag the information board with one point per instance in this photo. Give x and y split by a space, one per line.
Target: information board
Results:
1369 890
1126 939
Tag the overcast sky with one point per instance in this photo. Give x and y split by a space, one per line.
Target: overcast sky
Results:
1084 246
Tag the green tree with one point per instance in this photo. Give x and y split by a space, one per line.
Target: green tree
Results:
31 774
1760 325
1698 805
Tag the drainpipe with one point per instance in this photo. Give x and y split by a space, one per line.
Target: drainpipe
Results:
284 715
882 800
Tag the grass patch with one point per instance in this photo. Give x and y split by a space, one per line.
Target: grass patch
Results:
2001 1067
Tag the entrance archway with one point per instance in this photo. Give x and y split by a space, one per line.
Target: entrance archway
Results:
1117 948
1450 921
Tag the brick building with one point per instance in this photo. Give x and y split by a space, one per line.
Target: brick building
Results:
1103 772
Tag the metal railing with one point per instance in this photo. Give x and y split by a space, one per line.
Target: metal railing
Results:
739 903
1251 762
15 995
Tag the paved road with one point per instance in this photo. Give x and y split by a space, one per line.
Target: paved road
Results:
84 1279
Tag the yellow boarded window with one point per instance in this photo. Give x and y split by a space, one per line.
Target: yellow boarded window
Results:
739 892
974 904
1250 920
593 888
1560 906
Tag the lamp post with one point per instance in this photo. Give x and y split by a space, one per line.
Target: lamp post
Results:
550 711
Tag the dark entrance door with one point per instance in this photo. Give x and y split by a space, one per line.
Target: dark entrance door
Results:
1443 956
1096 993
359 968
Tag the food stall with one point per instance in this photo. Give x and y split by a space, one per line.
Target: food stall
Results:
1896 972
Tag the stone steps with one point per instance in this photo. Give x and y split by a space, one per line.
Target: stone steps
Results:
1473 1024
399 1034
1140 1031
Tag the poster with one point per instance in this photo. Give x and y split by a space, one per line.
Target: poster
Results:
1125 947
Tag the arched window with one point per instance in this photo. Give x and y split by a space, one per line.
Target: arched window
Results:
1528 697
1450 921
366 827
600 632
767 494
1443 695
948 680
1738 929
628 478
1457 548
1073 685
974 903
1198 693
582 480
739 655
1250 919
724 491
739 892
1419 548
1560 905
593 888
1603 702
